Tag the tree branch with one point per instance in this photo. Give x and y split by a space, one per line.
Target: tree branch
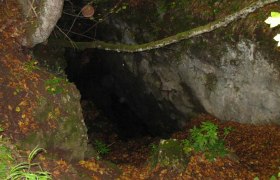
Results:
171 39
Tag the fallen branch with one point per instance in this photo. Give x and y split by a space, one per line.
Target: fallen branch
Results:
171 39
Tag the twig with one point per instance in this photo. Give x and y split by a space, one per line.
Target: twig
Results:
73 44
32 7
74 15
79 34
73 23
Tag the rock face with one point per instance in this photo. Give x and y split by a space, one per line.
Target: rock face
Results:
230 81
46 14
68 132
233 80
59 109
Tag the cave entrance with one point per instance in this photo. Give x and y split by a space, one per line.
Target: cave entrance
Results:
113 98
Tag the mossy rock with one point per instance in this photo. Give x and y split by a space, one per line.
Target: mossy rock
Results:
61 125
171 154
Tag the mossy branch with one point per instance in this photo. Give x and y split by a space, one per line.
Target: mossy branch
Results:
168 40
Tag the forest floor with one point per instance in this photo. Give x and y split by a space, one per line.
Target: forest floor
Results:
257 147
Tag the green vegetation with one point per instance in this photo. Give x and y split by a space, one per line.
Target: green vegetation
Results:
5 157
205 139
101 148
24 169
176 153
153 155
5 160
54 85
273 21
169 153
31 66
274 177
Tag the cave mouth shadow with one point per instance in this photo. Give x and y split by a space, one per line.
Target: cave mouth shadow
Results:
106 84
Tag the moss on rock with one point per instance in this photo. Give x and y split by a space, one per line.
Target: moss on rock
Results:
61 125
171 154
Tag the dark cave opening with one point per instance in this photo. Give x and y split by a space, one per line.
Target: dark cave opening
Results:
113 98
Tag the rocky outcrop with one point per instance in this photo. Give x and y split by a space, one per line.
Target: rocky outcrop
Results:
67 131
41 17
37 108
232 80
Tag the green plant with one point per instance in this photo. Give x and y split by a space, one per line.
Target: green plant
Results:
5 159
153 155
101 148
5 156
205 139
31 66
54 85
273 21
227 130
25 170
273 177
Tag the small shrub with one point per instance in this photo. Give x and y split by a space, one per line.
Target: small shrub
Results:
101 148
205 139
176 153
